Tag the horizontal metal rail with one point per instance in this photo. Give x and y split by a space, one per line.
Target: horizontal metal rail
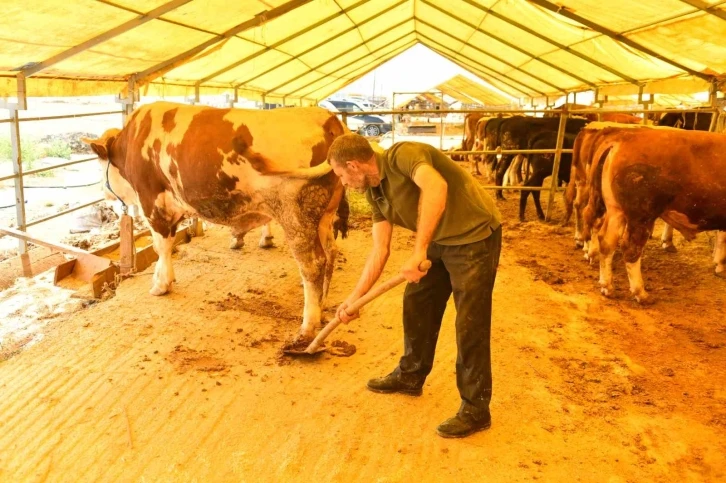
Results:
527 111
48 168
65 212
520 188
5 120
68 116
62 165
513 151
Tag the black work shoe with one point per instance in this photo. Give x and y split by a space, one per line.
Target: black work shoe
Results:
462 426
392 383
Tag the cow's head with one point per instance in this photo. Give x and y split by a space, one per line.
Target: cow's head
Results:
110 156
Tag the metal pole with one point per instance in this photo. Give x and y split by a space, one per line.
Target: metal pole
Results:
441 116
18 172
556 168
713 98
393 119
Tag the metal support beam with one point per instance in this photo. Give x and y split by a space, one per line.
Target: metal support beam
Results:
616 36
507 43
528 89
323 42
704 7
123 28
159 69
556 167
551 41
477 72
280 42
493 56
375 63
342 54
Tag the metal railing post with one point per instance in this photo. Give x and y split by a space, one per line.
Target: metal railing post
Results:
17 154
441 116
556 167
393 119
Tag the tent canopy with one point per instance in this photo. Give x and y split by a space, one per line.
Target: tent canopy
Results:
308 49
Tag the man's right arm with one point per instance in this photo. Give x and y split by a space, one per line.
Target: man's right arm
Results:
374 266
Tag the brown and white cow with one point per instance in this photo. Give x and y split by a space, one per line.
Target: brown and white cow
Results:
234 167
577 193
639 175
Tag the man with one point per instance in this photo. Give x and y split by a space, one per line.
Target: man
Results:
457 227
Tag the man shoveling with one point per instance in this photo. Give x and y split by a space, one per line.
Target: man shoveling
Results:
457 227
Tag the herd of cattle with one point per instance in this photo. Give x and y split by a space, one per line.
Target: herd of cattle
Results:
243 168
621 177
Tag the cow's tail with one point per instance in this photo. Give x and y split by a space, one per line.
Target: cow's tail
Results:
314 172
596 197
571 190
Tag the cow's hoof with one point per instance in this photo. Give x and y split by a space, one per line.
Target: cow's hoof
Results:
160 289
266 242
236 243
579 243
669 247
607 291
644 299
720 273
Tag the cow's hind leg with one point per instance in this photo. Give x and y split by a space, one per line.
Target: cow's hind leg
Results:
666 239
309 231
164 271
720 254
266 237
608 236
635 237
249 222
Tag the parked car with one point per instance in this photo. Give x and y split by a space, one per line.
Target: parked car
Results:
369 125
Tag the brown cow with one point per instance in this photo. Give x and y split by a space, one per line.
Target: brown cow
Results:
467 140
234 167
577 193
640 175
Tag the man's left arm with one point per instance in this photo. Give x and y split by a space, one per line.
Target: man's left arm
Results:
431 205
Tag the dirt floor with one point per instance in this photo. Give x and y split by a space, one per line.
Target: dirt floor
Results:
192 387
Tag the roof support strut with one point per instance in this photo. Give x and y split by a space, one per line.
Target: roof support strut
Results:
333 59
503 61
114 32
324 42
616 36
528 89
703 6
507 43
160 69
280 42
564 47
354 61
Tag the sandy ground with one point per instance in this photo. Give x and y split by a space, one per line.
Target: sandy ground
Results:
191 386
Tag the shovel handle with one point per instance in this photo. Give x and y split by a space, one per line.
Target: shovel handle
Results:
373 293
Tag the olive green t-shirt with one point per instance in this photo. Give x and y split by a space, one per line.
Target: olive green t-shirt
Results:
470 214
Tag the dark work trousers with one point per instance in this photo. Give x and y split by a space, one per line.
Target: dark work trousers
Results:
469 272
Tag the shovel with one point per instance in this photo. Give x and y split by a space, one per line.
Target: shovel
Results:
375 292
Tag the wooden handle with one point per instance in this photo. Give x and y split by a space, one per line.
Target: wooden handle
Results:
373 293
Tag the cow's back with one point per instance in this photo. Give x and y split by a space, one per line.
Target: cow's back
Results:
679 173
215 161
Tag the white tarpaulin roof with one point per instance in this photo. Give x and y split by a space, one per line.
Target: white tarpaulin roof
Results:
308 49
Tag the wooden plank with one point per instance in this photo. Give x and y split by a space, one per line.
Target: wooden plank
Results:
127 248
103 277
112 246
63 270
55 246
